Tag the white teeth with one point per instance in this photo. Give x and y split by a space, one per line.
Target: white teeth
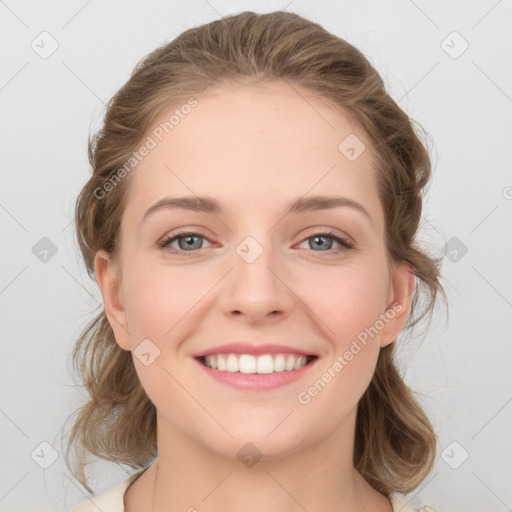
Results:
265 364
299 363
279 363
232 363
247 363
221 363
290 363
211 362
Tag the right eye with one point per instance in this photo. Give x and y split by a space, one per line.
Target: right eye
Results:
189 245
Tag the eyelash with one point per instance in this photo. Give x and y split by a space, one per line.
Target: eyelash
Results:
345 243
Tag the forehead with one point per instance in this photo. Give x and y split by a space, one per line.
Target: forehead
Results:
270 142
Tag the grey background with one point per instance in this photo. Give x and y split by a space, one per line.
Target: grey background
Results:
461 365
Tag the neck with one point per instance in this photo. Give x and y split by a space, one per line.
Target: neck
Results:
190 477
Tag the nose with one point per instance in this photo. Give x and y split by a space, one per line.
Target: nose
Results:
256 289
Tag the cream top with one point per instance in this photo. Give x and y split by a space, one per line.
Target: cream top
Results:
113 500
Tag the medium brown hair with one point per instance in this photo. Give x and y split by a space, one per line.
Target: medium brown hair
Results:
395 443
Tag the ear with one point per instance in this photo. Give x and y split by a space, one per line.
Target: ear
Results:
109 282
399 306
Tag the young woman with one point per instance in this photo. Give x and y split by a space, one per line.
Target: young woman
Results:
251 222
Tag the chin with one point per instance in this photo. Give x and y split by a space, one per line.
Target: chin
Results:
268 438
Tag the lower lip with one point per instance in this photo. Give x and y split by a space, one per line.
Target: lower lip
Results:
256 381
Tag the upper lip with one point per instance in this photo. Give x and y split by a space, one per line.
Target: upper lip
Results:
249 348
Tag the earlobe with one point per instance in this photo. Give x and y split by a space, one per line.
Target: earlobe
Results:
398 310
109 282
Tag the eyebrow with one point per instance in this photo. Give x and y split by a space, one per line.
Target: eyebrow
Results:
298 205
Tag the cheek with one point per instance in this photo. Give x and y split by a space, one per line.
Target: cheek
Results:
349 304
163 305
347 301
159 298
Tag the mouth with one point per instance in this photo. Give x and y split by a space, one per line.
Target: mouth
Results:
255 366
263 364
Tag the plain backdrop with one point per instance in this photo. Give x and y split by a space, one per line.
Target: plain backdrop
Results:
448 64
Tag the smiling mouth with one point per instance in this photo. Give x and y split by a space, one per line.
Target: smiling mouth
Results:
263 364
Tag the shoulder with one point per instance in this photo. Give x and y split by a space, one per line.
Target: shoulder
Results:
400 505
113 500
109 501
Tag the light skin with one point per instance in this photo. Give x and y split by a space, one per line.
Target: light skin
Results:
254 149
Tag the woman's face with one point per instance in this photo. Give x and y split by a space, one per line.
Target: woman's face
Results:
254 275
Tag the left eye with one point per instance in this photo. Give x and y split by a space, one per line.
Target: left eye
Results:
318 238
189 242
